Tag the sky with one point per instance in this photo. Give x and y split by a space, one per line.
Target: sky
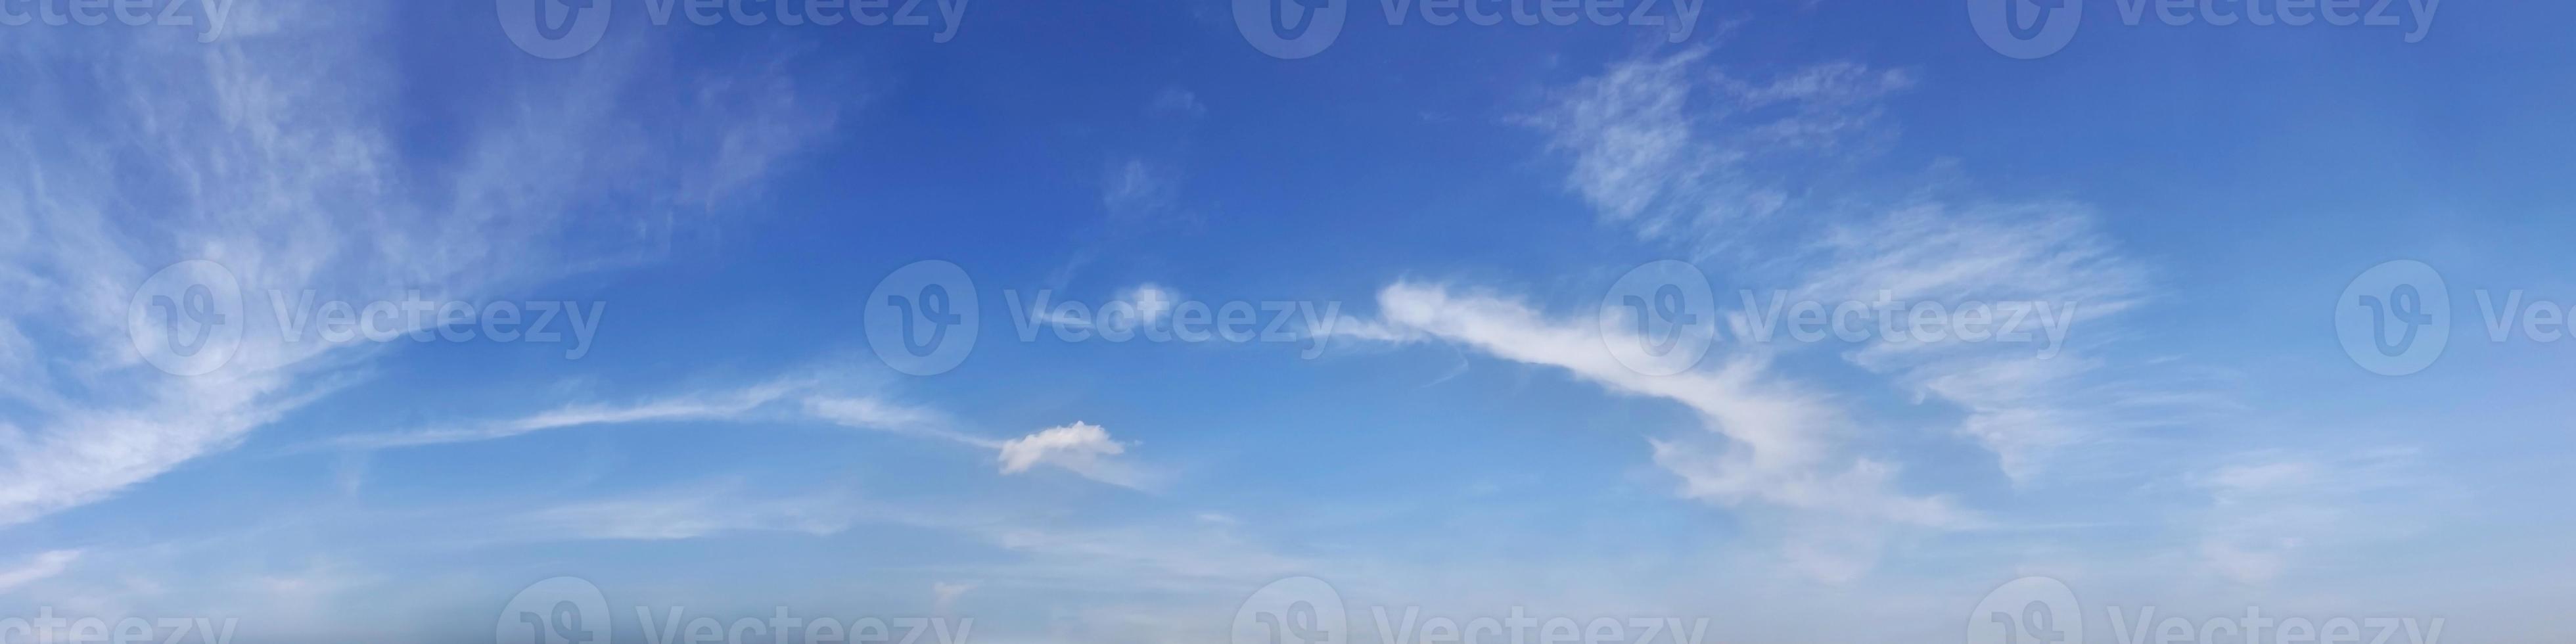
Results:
1168 321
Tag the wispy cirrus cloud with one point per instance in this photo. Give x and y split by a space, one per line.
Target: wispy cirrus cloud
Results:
273 155
690 512
1682 152
1688 155
1685 152
1139 306
2269 510
1177 102
1136 191
1083 449
1769 443
43 566
2022 401
718 406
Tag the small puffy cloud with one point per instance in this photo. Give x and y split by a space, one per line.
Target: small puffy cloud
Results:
1078 442
1152 302
1081 448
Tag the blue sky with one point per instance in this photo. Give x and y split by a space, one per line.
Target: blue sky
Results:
1443 220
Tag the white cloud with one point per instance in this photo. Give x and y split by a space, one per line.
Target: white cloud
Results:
2023 400
1175 101
1078 441
42 567
1775 446
1136 191
944 594
1134 307
719 406
1152 302
274 157
1175 558
1685 153
691 513
1682 152
865 412
2268 510
1081 448
781 399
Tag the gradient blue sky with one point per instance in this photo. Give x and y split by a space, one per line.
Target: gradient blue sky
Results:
733 194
